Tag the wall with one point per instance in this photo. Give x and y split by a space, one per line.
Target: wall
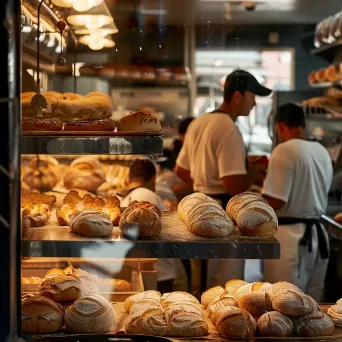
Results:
247 37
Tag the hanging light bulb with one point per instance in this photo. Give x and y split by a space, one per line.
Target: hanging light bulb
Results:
90 21
96 42
85 5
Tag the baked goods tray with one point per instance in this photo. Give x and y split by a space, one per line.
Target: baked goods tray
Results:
92 144
92 133
175 241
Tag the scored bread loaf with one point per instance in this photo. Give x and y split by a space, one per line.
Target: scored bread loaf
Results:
232 286
204 217
141 296
236 324
182 307
90 315
226 301
252 214
274 324
145 305
314 324
216 314
256 303
176 297
283 285
41 315
209 295
291 302
248 288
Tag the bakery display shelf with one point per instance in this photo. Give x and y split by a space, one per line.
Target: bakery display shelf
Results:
175 241
328 51
91 144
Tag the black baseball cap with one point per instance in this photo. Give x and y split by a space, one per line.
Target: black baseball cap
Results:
241 80
291 114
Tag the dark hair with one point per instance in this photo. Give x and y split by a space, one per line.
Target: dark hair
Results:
142 169
291 115
184 124
228 94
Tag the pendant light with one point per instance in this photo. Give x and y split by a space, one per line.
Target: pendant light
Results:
95 42
103 31
78 5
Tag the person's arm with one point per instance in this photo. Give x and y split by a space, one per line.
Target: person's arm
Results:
275 203
184 175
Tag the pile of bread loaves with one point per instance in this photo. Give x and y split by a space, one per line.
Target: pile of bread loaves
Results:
252 214
176 314
86 310
243 310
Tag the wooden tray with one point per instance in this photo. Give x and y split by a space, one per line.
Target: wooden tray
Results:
91 133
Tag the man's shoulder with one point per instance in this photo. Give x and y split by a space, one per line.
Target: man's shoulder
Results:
218 119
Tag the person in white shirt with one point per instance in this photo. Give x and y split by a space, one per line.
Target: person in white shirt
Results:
297 185
213 157
142 182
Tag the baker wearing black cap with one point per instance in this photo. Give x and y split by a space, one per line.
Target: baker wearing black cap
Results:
297 184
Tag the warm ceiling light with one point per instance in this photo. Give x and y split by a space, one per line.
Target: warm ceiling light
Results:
78 5
63 3
103 32
96 42
90 21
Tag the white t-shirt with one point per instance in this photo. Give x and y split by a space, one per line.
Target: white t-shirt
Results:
166 268
299 173
213 149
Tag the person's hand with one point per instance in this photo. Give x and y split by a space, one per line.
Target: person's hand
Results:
256 174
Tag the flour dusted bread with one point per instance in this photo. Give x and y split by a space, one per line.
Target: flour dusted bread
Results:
314 324
224 302
204 217
232 286
182 307
90 315
176 297
256 303
274 324
139 122
252 214
141 296
144 305
282 286
209 295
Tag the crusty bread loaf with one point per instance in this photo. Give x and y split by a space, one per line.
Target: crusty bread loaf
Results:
236 324
145 305
216 314
204 217
43 161
41 315
37 198
85 180
209 295
53 273
274 324
314 324
227 301
182 307
143 222
63 289
291 302
90 315
176 297
256 303
91 223
86 163
141 296
252 214
232 286
281 286
139 122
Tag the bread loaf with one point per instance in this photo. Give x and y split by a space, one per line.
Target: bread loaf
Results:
216 314
141 296
314 324
209 295
182 307
139 122
204 217
256 303
335 313
283 285
63 289
176 297
227 301
85 180
90 315
248 288
274 324
53 273
236 324
232 286
43 179
291 302
43 161
41 315
252 214
145 305
91 223
115 285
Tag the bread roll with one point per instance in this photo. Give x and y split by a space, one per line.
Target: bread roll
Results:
314 324
91 223
252 214
233 285
236 324
90 315
176 297
247 289
227 301
41 315
291 302
143 222
139 122
256 303
208 296
141 296
274 324
86 163
216 314
204 217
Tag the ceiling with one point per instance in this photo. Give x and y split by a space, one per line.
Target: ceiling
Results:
224 12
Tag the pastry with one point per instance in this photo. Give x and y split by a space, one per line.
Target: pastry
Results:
256 303
274 324
320 102
314 324
252 214
139 122
40 315
331 73
204 217
89 125
31 124
141 296
92 314
208 296
35 215
37 198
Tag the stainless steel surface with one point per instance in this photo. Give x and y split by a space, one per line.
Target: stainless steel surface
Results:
92 145
175 241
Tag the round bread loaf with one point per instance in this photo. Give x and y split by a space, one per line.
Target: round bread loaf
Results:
247 288
85 180
256 303
89 125
281 286
29 124
145 305
252 214
43 179
91 223
232 286
314 324
291 302
141 296
41 315
139 122
63 289
43 162
204 217
86 163
182 307
209 295
236 324
176 297
216 314
90 315
274 324
227 301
